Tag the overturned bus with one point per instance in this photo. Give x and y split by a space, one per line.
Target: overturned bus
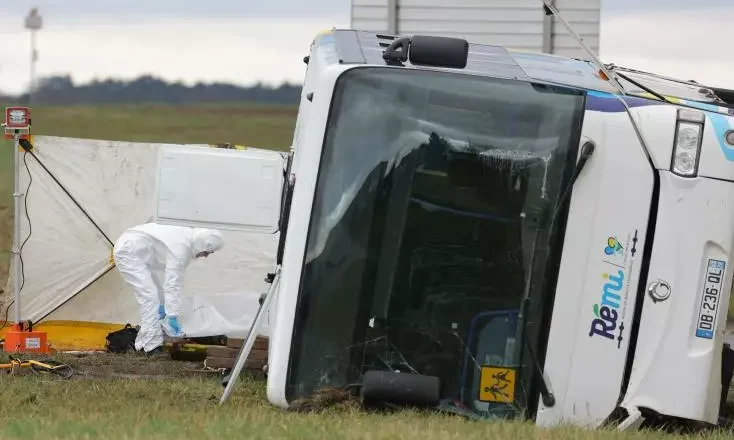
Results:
504 234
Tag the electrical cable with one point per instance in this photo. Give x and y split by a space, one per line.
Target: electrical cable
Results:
7 311
26 145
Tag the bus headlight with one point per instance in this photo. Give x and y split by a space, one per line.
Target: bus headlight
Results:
687 148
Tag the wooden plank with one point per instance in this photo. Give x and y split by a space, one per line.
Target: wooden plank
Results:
227 352
261 343
222 352
259 355
236 342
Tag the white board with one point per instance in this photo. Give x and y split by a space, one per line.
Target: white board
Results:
519 25
224 189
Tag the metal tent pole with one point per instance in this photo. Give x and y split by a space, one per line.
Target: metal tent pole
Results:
16 227
251 336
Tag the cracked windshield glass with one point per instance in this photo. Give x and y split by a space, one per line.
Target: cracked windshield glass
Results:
430 225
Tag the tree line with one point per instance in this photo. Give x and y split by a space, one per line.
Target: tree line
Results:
60 89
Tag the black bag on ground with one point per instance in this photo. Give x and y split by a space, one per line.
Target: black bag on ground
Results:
123 340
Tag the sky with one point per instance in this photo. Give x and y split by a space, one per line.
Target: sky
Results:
250 41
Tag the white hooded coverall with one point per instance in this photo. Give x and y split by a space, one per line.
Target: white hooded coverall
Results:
144 250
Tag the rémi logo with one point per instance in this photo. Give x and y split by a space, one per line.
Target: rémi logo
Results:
607 322
606 311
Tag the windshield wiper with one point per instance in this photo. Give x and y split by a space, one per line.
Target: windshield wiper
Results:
549 400
587 150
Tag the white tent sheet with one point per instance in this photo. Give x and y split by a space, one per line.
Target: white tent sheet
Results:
67 261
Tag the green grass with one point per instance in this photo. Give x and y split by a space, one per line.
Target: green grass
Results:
185 406
255 126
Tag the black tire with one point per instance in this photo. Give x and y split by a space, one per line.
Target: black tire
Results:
400 388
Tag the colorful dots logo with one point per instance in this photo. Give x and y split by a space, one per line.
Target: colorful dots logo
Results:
613 247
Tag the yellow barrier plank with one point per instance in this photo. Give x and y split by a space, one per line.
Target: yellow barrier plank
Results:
75 335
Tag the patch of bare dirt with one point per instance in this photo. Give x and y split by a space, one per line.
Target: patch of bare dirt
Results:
125 366
129 365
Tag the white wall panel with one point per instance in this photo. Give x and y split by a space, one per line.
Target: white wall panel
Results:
516 24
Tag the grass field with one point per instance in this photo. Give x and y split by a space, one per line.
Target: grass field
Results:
116 396
254 126
122 397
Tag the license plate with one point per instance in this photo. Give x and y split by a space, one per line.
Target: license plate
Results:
711 298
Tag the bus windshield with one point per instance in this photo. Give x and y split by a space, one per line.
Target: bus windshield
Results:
429 194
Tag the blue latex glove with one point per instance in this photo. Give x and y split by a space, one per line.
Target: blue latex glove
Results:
161 311
173 323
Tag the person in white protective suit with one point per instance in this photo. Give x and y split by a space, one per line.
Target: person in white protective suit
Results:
145 252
